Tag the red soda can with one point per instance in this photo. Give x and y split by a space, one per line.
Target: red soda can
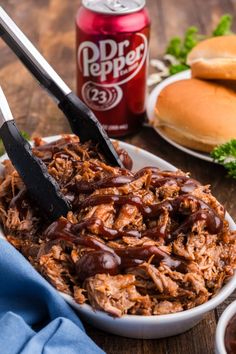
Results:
111 56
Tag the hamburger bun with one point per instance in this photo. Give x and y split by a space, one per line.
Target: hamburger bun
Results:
214 58
197 114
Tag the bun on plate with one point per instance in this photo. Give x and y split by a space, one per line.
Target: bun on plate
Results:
197 114
214 58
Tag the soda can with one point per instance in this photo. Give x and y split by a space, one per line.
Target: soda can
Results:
111 58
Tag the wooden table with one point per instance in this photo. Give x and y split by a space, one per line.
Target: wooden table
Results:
50 25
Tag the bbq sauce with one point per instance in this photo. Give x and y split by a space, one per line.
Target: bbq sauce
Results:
147 251
46 151
62 228
158 179
97 262
175 206
148 169
189 186
213 223
112 234
117 260
107 233
85 186
19 199
104 259
230 336
125 158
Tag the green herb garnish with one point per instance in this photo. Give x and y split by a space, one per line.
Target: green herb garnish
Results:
191 38
174 47
174 69
180 48
224 26
225 155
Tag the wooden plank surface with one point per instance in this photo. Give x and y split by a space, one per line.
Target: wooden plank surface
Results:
50 25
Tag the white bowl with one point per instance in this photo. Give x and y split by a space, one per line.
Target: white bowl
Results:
226 316
157 326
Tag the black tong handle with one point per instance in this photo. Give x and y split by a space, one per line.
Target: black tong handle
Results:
42 188
87 126
82 120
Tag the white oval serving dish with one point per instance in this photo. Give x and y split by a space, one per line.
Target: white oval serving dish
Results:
148 327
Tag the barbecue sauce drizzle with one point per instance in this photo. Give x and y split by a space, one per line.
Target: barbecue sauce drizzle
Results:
158 179
104 259
174 207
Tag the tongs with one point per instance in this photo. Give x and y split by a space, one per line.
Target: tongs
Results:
82 120
39 183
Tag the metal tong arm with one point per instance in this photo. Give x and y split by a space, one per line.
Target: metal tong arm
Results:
82 120
42 188
31 58
5 112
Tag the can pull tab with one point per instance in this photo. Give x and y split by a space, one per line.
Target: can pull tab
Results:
116 5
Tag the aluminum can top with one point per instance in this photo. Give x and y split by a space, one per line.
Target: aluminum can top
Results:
114 7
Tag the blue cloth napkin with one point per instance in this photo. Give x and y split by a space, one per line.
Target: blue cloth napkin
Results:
34 318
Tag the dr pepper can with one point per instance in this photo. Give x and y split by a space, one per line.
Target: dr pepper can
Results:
111 57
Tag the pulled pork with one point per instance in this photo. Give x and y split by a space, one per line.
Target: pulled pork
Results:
144 243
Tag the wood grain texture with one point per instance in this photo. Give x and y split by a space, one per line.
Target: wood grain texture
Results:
50 25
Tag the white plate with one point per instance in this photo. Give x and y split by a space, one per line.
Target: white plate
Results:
147 326
150 113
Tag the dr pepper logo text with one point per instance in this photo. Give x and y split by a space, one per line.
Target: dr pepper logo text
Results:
107 65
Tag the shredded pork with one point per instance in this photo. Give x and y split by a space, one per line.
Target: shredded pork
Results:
146 243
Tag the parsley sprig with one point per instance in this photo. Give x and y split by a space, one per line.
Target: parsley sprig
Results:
225 155
179 48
